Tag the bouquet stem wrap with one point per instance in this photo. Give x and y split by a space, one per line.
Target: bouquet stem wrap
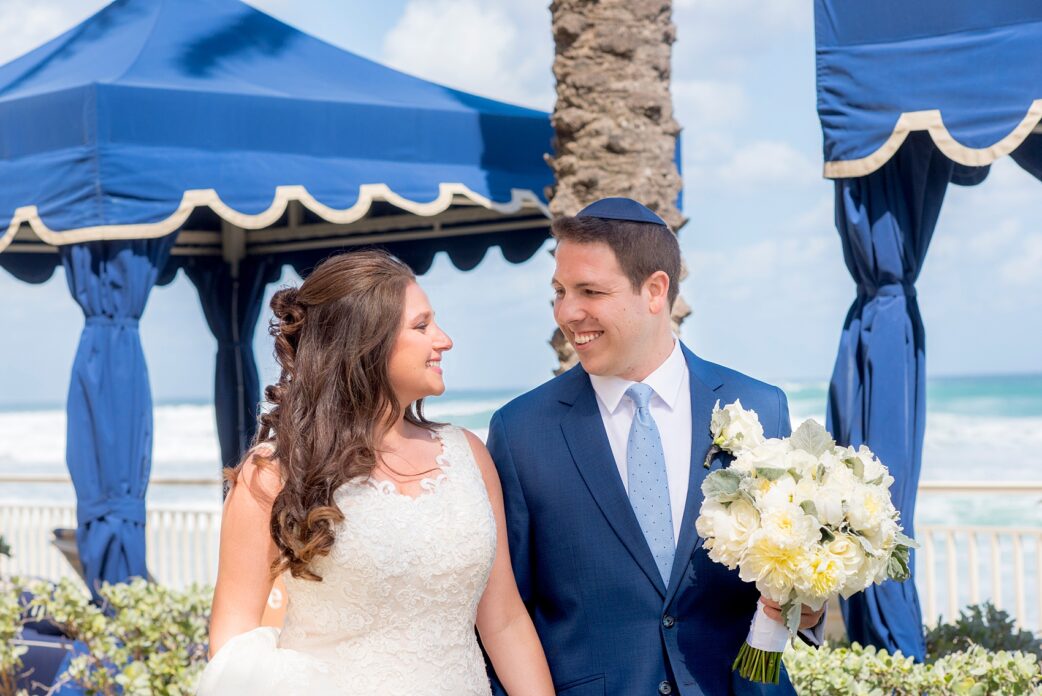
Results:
760 657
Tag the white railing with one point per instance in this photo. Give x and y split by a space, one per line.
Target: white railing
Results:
181 545
961 565
955 566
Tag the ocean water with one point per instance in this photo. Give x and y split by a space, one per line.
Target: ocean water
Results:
978 428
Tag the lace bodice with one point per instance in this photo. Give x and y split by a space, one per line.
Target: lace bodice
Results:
395 611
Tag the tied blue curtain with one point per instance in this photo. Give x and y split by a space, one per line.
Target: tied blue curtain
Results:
231 306
109 431
1029 155
877 395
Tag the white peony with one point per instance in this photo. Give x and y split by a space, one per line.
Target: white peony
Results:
822 577
773 564
873 468
734 428
789 524
869 506
726 530
803 463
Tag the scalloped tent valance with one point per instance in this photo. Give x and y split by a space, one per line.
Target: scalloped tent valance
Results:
967 72
155 116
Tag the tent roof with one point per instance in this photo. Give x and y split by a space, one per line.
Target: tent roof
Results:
126 125
968 72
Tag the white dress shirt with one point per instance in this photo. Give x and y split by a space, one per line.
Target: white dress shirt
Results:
670 407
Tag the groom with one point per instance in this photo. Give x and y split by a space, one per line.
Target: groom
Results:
601 471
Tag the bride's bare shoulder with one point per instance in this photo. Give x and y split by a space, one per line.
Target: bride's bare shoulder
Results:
258 476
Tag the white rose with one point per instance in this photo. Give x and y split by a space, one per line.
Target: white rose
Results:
851 556
734 428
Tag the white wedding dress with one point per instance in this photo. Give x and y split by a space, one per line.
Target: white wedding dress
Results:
394 613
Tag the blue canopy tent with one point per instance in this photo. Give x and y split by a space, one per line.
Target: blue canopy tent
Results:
912 97
204 135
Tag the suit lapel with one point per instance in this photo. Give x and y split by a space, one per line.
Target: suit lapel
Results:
704 382
591 452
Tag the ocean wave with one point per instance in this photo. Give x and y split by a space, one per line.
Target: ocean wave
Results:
957 446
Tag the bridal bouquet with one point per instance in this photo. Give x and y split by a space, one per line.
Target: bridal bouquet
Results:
803 519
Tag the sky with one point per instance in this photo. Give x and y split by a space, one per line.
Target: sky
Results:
767 281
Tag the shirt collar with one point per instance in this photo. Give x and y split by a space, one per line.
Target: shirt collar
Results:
666 381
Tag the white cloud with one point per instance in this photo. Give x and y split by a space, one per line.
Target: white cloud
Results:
1024 266
727 37
495 48
768 163
701 103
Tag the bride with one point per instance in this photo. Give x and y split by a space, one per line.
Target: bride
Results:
387 528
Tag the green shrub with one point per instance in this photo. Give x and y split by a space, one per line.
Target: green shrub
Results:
5 550
146 639
10 654
859 671
982 625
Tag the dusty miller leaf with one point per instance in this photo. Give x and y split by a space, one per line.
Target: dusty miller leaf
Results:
721 485
811 437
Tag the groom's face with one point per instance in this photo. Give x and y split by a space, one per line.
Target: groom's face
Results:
606 320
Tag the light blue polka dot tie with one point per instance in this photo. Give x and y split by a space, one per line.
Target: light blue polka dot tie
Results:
648 486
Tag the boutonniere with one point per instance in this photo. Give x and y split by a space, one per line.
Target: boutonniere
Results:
734 430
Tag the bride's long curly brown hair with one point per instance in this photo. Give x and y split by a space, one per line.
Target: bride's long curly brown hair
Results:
333 338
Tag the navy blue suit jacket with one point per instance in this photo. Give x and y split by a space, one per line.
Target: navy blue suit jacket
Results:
608 624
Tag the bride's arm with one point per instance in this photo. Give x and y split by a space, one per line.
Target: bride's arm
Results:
247 551
503 621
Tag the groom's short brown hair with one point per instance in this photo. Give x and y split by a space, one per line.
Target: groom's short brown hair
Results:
641 248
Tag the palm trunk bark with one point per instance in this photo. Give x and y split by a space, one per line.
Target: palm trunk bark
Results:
615 134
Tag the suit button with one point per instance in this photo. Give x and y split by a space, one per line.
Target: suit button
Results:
665 688
668 621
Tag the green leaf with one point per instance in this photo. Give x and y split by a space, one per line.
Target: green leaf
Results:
897 565
770 473
908 541
811 437
809 507
722 485
792 611
855 465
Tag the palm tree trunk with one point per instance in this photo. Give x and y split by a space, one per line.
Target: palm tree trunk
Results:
615 134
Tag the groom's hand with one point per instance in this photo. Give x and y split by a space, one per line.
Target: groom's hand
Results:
808 617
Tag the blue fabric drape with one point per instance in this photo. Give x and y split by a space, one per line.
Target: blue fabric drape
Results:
109 431
877 395
1029 155
232 306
